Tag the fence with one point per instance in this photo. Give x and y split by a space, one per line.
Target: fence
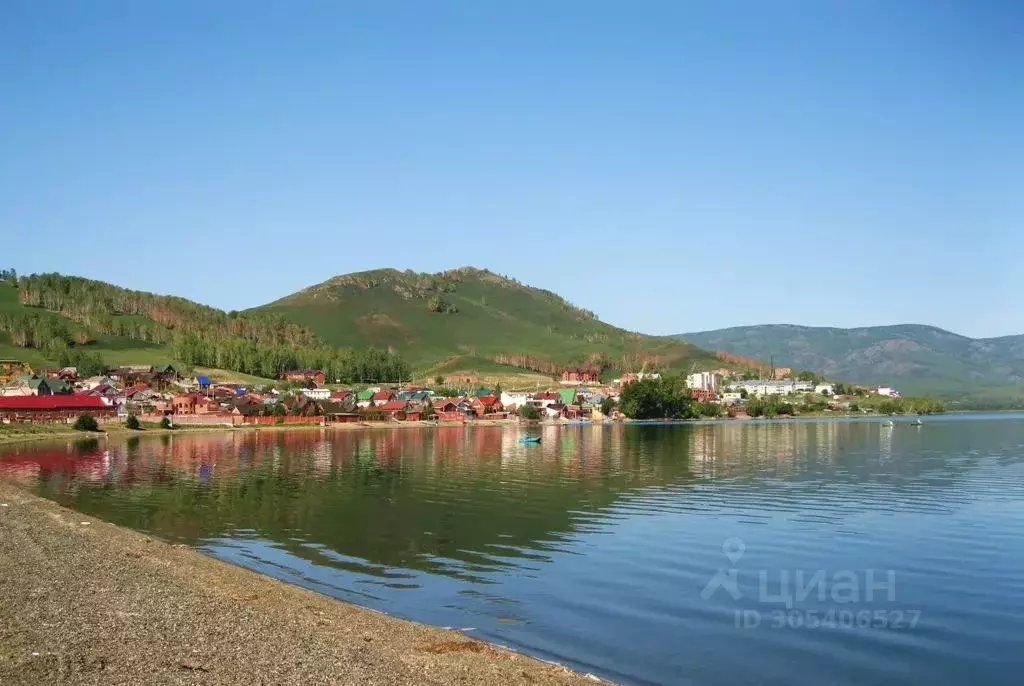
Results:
282 420
191 419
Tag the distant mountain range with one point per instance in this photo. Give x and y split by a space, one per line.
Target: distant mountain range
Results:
912 357
474 321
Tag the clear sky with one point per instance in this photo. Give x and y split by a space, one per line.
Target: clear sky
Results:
673 166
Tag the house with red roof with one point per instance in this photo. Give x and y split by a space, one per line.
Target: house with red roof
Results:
447 410
206 405
381 397
393 409
485 404
132 391
45 408
102 391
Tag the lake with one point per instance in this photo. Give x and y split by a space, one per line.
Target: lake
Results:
789 552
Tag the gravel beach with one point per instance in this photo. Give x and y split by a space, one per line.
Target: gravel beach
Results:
83 601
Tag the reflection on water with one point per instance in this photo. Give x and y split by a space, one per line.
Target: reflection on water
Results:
595 547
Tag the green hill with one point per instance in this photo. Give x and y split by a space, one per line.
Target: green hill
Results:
912 357
462 318
461 321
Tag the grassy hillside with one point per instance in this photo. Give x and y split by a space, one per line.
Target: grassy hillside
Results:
465 321
113 350
915 358
459 318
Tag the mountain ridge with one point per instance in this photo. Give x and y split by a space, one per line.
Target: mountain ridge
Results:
917 357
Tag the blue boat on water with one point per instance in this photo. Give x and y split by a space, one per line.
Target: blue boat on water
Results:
529 439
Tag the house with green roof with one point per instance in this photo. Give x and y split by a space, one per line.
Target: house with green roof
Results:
567 396
41 385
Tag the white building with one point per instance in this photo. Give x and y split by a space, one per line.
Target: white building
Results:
825 389
768 387
317 393
514 398
887 392
707 381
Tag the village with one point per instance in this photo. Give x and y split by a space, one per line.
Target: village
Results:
154 393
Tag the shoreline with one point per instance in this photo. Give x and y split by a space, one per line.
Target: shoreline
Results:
43 431
86 600
52 431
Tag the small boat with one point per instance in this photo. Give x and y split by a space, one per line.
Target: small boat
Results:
889 423
529 439
918 422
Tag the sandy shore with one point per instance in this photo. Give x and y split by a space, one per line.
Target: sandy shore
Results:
83 601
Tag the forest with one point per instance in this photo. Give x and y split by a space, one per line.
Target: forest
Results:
62 312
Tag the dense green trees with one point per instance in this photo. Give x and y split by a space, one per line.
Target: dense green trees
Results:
769 406
261 345
911 405
43 330
711 410
85 362
527 411
347 366
132 422
664 398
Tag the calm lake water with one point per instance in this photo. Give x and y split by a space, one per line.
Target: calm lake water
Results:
643 554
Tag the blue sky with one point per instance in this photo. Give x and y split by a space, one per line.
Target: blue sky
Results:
673 166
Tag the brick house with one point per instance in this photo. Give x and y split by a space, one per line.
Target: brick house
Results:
579 376
185 403
206 405
704 395
314 375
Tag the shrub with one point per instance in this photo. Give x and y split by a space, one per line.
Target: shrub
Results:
86 422
528 412
165 423
132 422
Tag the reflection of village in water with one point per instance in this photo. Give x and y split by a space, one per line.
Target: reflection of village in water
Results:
632 456
458 501
713 450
